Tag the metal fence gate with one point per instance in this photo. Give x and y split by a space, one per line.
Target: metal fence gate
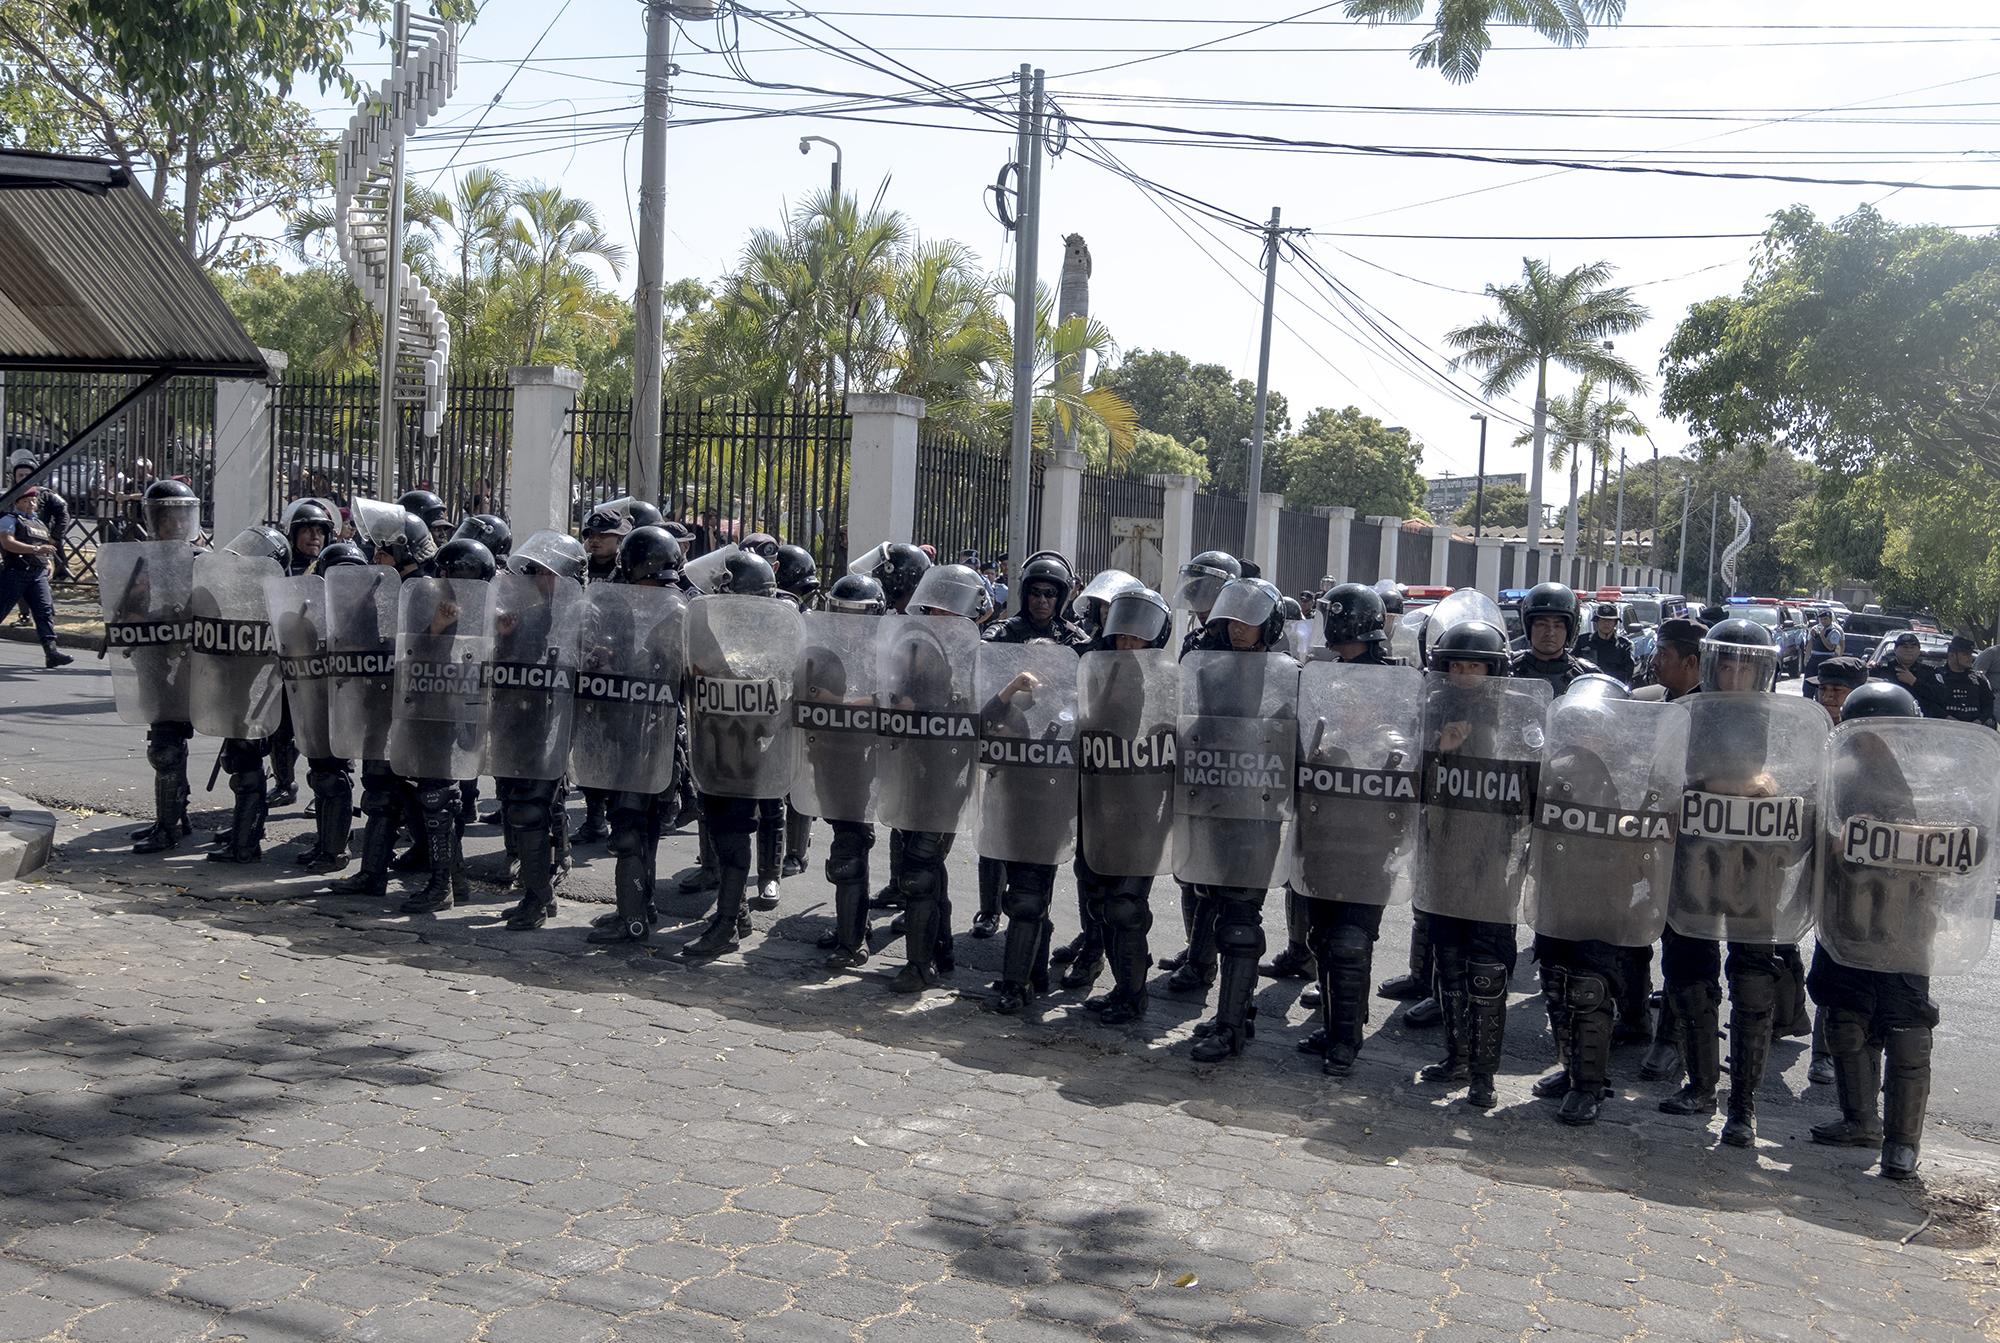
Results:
1219 520
962 498
324 443
1413 557
1301 551
1106 497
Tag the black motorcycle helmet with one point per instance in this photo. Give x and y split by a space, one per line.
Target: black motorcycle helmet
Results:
1354 614
1740 641
1202 578
419 544
797 573
649 554
309 513
337 553
1049 569
900 569
550 553
1142 614
171 511
1472 641
1879 699
856 594
747 575
261 542
1252 601
425 505
618 517
762 544
465 558
1391 592
1550 599
489 530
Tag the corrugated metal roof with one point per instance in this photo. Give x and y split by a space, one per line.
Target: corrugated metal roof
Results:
90 278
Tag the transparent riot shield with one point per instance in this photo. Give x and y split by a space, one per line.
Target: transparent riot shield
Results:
1359 782
1027 751
1743 858
1482 743
705 571
1128 711
1906 867
742 653
1237 741
443 647
535 619
1406 638
628 688
236 691
1603 847
299 622
1456 608
929 721
146 589
361 613
834 712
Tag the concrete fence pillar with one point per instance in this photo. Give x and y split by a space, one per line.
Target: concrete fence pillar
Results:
1270 516
1062 501
882 468
1440 556
1486 574
244 453
1339 535
1176 530
539 463
1392 536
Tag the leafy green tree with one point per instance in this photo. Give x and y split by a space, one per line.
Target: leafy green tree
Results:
1461 30
1345 457
1506 506
314 314
1204 406
1551 319
1151 454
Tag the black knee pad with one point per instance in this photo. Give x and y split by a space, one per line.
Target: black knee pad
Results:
847 855
1349 945
1487 977
1555 980
1754 987
378 797
1587 992
924 846
322 775
729 815
1029 902
438 798
1240 938
521 815
732 848
628 833
166 747
1128 913
240 756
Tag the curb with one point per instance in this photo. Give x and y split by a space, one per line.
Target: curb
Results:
85 639
27 837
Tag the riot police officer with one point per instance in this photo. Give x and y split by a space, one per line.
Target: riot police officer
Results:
1549 615
433 512
309 529
604 530
798 578
171 513
841 757
1962 694
242 755
1606 647
899 566
329 777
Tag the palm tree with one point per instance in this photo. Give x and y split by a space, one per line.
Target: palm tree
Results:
1461 32
1058 398
479 211
548 242
1549 318
1584 422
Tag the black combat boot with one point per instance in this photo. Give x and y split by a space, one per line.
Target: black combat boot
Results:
1190 904
378 841
1344 964
920 938
1489 1029
243 842
850 925
284 774
1197 968
1696 1011
333 820
1663 1060
1130 959
1452 994
170 808
721 934
536 851
1589 1039
704 877
1857 1077
992 880
1295 959
1417 983
1753 1001
891 894
1635 1013
1555 997
1235 1021
595 827
770 860
1906 1095
439 824
798 841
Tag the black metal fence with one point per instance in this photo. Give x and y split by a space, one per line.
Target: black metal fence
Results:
962 498
1106 497
1364 552
1218 523
1462 569
1413 557
325 442
168 434
1301 551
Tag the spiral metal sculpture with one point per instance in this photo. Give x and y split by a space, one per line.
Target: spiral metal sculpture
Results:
1736 545
419 83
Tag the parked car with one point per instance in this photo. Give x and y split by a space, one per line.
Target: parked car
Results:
1863 630
1783 620
1933 651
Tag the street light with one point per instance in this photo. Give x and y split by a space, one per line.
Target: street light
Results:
806 143
1479 484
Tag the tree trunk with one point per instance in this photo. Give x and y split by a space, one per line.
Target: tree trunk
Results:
1535 462
191 204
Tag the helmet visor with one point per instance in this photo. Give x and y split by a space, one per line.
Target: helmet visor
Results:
705 572
1110 583
951 589
1730 666
1140 615
1198 591
1243 600
379 524
172 519
258 543
866 565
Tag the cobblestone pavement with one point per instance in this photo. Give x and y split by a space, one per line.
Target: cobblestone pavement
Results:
294 1119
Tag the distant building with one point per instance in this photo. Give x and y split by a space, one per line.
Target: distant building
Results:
1444 495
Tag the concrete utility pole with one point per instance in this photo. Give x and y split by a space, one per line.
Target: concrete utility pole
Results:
1027 228
642 460
1253 481
1479 482
1618 539
1714 501
391 423
1681 566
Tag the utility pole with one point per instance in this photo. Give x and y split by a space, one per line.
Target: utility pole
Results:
642 460
1254 478
1681 566
806 142
1714 500
1618 539
1479 482
1028 176
392 309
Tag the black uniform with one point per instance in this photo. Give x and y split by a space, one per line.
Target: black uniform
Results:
1965 697
1613 656
919 873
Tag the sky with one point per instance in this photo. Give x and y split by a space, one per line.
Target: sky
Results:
1400 247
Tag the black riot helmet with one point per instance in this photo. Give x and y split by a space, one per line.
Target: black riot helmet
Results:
1739 642
1047 568
1472 641
465 558
1138 613
425 504
856 594
1391 593
392 528
1550 599
1353 614
1202 578
617 517
308 513
1598 686
550 553
261 542
648 555
762 543
747 575
489 530
1879 699
797 573
336 554
900 569
1254 602
171 511
1289 608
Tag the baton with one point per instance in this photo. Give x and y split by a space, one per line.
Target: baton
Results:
215 773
